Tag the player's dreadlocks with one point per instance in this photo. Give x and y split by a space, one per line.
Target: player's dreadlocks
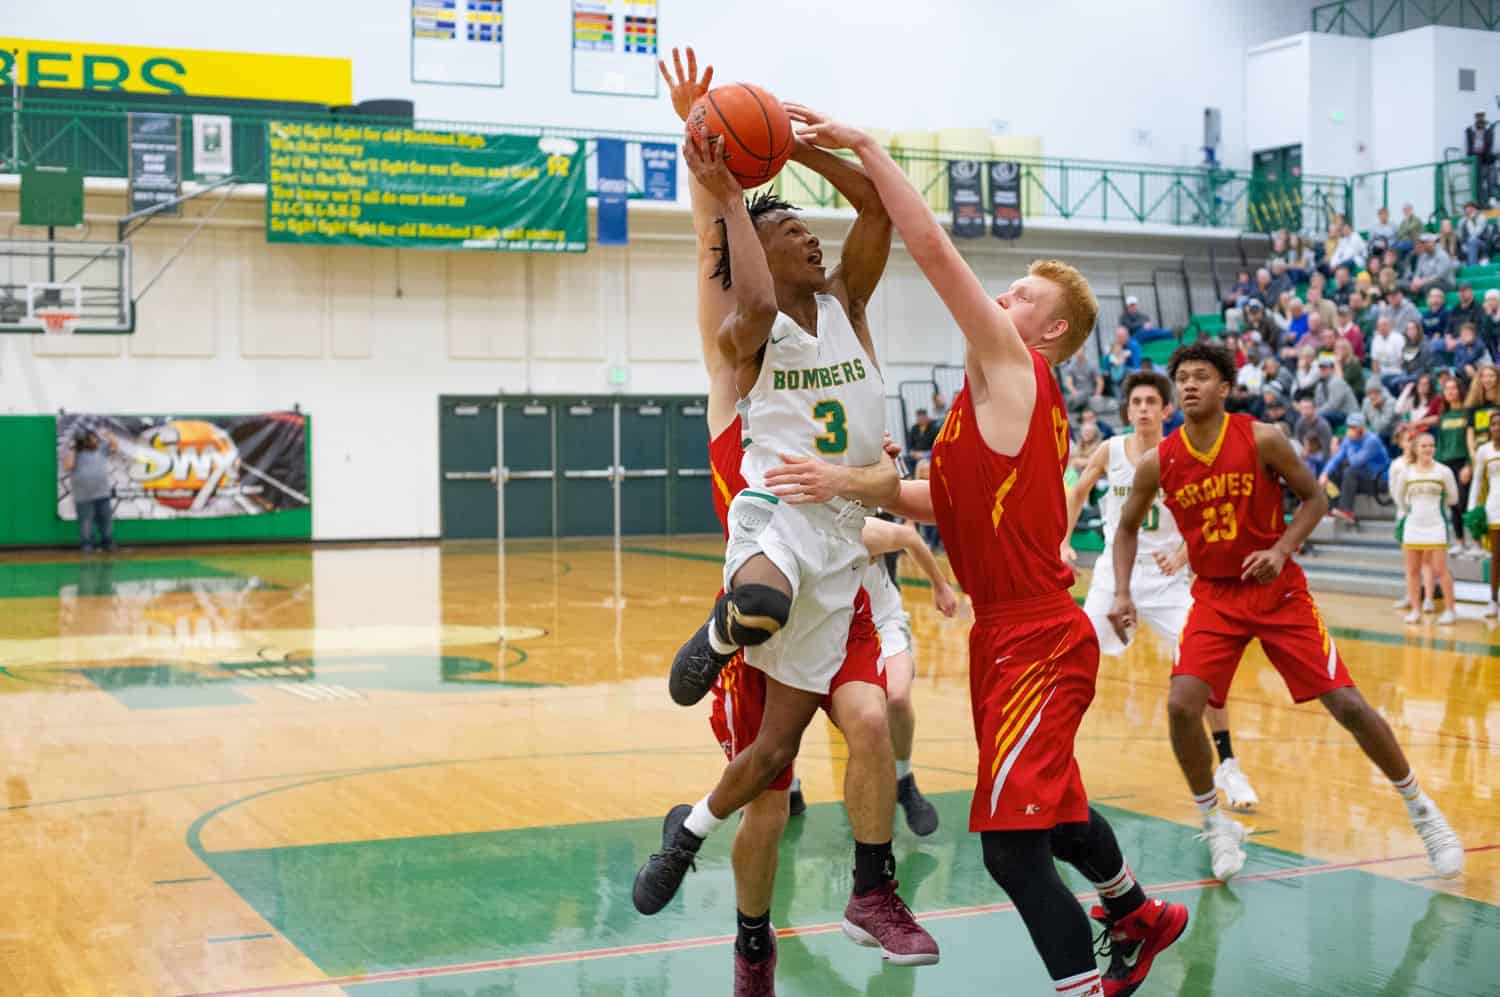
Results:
761 204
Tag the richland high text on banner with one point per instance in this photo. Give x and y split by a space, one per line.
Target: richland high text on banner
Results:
193 467
381 185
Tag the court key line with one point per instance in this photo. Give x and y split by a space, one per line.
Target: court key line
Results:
648 948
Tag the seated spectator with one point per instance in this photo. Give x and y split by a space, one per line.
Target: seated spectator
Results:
1399 310
1315 453
1301 261
1365 313
1489 322
1231 342
1296 315
1239 292
1331 242
1468 309
1349 367
1309 422
1089 439
1273 374
1379 409
1356 467
1273 408
939 407
1435 315
1418 355
1467 351
924 432
1389 281
1079 380
1133 319
1263 291
1317 304
1258 326
1431 267
1447 240
1314 337
1472 239
1420 404
1332 397
1348 330
1122 360
1343 285
1409 232
1090 419
1305 377
1383 232
1281 281
1386 348
1350 250
1251 377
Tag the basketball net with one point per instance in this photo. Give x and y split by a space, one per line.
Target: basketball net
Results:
57 322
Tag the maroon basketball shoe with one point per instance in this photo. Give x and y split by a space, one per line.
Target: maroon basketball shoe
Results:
1136 940
880 919
755 979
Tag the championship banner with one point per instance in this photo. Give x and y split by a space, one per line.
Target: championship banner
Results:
1005 200
198 467
364 185
966 198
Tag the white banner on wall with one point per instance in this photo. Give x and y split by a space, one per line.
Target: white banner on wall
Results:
458 41
213 145
614 47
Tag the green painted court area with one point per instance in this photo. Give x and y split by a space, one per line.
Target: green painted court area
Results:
105 576
528 912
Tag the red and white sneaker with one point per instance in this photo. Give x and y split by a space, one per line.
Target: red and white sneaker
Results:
880 919
755 979
1136 940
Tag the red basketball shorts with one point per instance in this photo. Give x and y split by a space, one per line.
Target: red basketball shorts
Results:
1032 668
740 692
1228 614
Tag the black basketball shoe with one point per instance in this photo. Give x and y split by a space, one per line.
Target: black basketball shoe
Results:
695 668
657 881
921 815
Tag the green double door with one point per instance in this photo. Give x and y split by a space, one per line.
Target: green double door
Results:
575 466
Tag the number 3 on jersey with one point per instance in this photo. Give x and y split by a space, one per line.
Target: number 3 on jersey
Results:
835 438
1219 525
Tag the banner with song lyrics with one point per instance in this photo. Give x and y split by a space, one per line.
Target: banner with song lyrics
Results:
192 467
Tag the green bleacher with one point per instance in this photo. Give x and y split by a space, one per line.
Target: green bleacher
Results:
1483 278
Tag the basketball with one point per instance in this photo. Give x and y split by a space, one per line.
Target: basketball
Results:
756 129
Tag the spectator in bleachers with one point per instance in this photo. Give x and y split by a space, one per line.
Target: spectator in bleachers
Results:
1301 261
1447 240
1263 291
1332 396
1082 385
1399 310
1343 285
1386 348
1296 320
1480 143
1365 313
1237 296
1435 315
939 407
1349 331
1379 409
923 433
1258 326
1309 422
1420 405
1331 242
1419 355
1277 376
1318 304
1356 467
1305 376
1483 402
1122 360
1231 342
1139 324
1315 453
1383 232
1472 240
1431 266
1350 249
1273 408
1349 367
1089 440
1409 232
1314 336
1251 377
1468 353
1468 308
1489 322
1389 281
1453 452
1281 281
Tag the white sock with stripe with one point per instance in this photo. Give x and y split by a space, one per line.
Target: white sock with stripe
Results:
1083 985
1411 794
1119 885
1207 804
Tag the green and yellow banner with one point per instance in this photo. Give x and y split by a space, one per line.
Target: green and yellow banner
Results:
350 184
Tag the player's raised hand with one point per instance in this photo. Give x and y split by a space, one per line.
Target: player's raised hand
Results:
821 130
1122 616
686 87
706 160
1263 566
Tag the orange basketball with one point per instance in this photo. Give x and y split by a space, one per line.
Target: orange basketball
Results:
756 129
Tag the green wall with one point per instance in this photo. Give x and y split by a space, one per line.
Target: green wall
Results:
28 500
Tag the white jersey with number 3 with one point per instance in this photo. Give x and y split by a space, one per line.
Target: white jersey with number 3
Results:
817 396
1158 531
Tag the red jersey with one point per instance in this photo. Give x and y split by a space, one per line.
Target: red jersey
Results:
725 452
1226 503
1003 519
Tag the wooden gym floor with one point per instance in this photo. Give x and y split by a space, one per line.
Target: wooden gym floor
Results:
319 771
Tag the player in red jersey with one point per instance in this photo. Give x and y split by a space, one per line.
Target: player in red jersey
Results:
1220 476
996 493
856 699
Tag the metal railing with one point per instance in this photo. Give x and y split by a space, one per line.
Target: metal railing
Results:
1434 190
1373 18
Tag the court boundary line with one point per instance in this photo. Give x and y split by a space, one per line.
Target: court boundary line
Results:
709 941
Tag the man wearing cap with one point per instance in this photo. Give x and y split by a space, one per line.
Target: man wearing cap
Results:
1275 375
1273 408
1357 467
1431 267
1468 308
1258 324
1379 410
1398 311
1332 396
1135 321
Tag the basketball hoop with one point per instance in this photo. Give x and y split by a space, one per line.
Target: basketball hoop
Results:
57 322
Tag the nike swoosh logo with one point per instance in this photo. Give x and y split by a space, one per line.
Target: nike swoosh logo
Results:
774 340
1132 959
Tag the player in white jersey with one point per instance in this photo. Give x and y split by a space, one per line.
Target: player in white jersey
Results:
1427 490
1161 585
803 363
1485 494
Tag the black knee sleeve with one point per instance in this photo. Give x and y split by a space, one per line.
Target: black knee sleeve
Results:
751 614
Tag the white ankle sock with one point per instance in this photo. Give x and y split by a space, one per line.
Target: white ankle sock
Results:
1411 794
1085 984
903 768
796 786
701 822
1207 804
1117 886
720 646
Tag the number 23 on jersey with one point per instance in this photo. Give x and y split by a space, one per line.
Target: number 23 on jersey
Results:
1219 525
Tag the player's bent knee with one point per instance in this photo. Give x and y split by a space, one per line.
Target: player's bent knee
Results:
1184 710
1346 706
752 614
1010 856
773 755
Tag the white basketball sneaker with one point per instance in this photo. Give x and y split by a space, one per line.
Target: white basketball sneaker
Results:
1232 782
1444 850
1402 603
1492 610
1226 845
1448 616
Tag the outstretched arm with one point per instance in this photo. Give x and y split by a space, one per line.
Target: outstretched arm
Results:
1078 497
1275 452
1127 534
943 596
